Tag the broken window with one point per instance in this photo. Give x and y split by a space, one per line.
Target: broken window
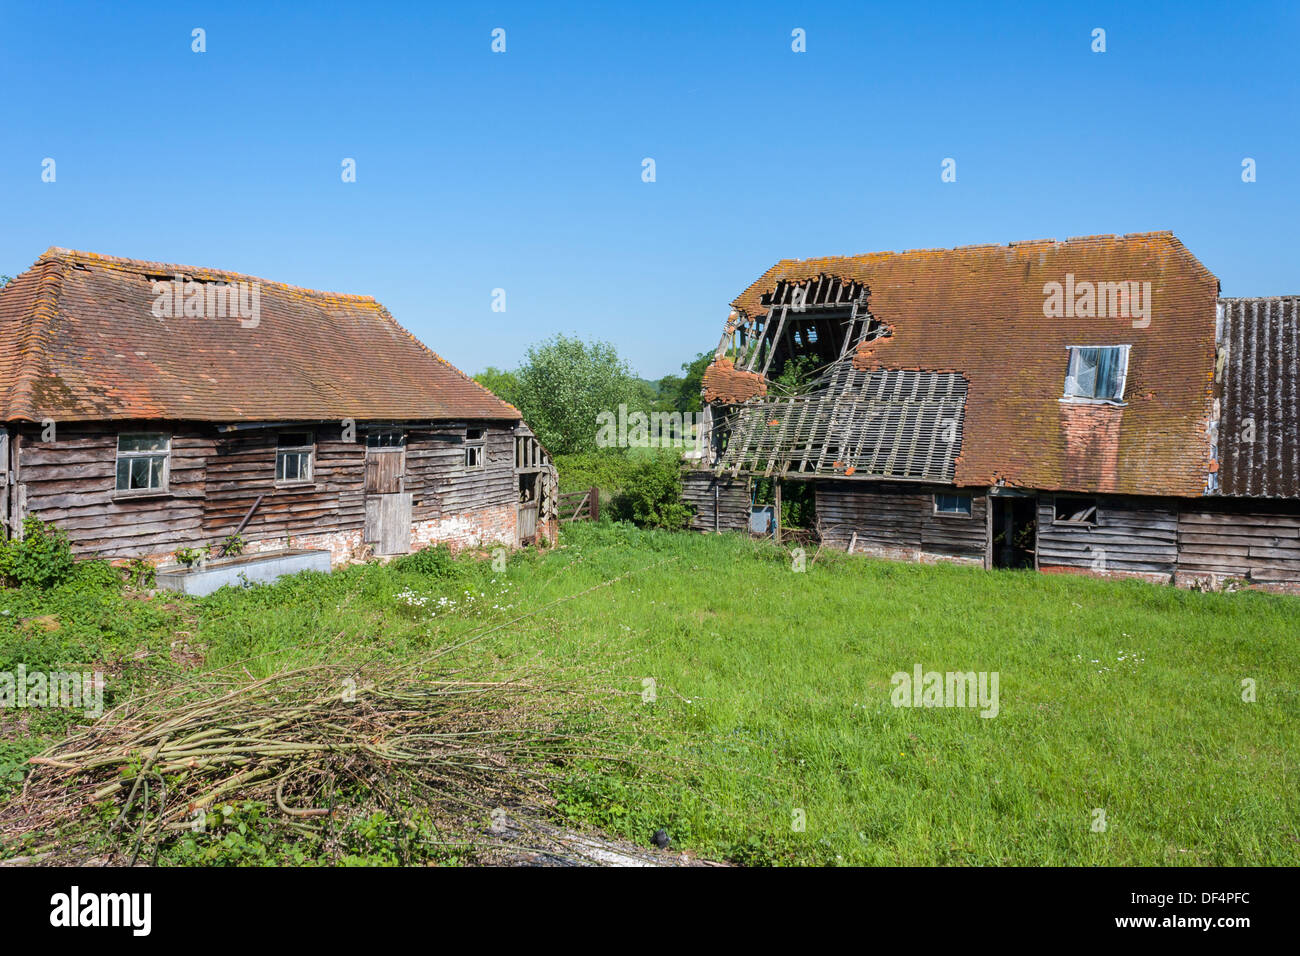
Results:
1097 373
1075 510
293 457
952 504
474 456
142 462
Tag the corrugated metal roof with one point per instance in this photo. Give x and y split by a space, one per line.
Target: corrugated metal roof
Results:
1259 428
79 341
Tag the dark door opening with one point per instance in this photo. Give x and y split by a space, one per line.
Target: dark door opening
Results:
1015 531
529 500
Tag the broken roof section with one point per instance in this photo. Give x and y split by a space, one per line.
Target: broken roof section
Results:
889 425
986 314
80 340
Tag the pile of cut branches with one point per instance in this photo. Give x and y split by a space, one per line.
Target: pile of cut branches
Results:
314 745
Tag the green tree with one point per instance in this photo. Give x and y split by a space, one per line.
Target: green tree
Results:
797 374
564 383
504 385
681 393
688 390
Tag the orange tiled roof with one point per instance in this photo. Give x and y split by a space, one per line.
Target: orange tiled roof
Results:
725 383
979 310
79 341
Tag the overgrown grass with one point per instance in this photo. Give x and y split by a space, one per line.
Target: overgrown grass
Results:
771 693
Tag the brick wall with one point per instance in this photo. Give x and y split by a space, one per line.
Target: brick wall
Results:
492 525
495 524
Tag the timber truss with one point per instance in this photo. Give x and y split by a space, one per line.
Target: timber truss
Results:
821 318
899 425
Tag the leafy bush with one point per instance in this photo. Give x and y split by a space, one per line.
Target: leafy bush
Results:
436 562
607 470
42 558
93 576
652 496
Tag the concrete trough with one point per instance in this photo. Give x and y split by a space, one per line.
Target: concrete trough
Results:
263 567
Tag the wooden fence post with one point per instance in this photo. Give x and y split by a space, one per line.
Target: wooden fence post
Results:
593 497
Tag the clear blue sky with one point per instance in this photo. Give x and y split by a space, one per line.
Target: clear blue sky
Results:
522 170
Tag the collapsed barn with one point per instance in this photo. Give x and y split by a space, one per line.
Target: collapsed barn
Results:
311 421
1090 405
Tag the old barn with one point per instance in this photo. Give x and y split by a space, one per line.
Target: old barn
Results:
1090 405
149 408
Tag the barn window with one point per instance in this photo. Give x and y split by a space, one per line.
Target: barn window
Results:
1071 510
1097 373
955 505
386 439
142 462
293 457
474 454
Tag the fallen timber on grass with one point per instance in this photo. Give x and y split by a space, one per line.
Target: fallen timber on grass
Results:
316 745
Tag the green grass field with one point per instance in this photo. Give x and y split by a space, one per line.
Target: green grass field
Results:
771 736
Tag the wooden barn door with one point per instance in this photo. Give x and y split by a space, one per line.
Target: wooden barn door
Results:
388 506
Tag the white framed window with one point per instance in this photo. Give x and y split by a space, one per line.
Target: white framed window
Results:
474 455
143 463
295 454
953 505
1096 373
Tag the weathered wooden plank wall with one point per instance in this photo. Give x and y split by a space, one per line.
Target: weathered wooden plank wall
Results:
1259 541
731 512
215 477
1130 535
4 482
894 517
71 481
439 483
242 467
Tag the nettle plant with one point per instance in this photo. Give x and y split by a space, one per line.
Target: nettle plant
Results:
41 558
189 556
230 547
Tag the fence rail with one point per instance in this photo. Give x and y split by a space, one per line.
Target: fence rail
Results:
579 505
